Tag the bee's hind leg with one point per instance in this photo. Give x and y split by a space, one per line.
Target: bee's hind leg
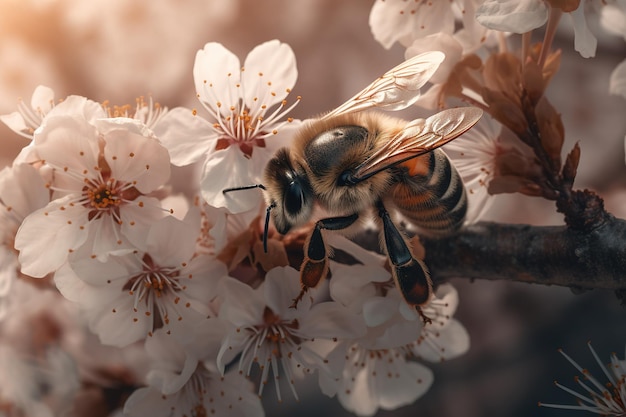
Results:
315 265
410 274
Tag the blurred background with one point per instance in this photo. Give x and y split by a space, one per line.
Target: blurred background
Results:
118 50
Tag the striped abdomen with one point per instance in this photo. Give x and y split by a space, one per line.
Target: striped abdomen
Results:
429 192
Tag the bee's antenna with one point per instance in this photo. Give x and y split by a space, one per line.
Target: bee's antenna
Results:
267 225
245 187
267 212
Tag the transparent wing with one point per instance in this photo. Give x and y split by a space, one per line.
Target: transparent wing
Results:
397 89
419 137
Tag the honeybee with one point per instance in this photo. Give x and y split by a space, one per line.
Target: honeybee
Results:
350 162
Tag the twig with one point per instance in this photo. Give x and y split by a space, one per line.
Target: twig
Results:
549 255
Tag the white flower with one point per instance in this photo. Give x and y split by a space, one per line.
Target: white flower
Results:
378 371
265 330
407 21
22 191
518 16
523 16
607 399
403 21
101 176
474 156
245 105
126 298
183 382
27 118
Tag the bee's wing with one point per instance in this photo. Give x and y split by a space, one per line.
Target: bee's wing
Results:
397 89
419 137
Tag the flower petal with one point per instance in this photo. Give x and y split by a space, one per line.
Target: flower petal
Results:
216 72
186 136
137 159
270 74
229 168
517 16
584 41
617 82
47 236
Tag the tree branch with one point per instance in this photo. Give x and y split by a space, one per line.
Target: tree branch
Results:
549 255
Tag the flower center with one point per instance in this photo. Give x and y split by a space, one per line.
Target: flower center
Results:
277 331
103 196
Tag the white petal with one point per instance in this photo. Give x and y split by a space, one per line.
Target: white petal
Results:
377 310
149 402
216 72
116 323
47 236
447 343
15 122
517 16
42 99
402 21
104 239
137 217
22 189
617 82
186 136
410 381
584 41
332 320
270 73
229 168
69 141
135 158
171 242
281 286
80 107
169 382
242 305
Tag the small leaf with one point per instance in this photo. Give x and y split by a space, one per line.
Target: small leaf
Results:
571 164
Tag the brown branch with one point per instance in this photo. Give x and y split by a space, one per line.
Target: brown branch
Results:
549 255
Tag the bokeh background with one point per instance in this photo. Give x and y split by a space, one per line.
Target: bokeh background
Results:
118 50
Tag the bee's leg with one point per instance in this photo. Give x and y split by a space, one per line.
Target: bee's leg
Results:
410 274
315 265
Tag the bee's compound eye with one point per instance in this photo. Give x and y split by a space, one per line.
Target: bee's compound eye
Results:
294 198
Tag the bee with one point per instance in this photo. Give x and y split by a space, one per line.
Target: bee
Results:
350 162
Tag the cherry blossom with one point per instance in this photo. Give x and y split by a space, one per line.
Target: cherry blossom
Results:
245 106
409 21
167 285
267 332
523 16
379 370
101 174
184 382
27 118
22 191
475 157
606 399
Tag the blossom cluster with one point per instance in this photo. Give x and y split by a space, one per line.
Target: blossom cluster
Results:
135 273
139 267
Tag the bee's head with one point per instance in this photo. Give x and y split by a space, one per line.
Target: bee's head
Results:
289 193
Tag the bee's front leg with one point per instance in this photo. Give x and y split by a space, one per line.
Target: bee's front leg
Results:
315 265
